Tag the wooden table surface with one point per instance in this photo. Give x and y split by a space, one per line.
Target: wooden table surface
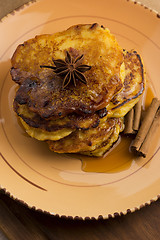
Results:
17 222
20 223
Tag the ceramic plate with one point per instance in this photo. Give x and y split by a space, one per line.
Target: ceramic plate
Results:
56 183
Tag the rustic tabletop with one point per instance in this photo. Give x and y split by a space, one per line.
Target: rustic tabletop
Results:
18 222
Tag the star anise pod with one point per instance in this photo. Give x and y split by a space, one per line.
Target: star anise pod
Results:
70 69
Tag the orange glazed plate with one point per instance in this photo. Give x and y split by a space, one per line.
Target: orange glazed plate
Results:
66 184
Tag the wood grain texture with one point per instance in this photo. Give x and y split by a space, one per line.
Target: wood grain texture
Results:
7 6
19 222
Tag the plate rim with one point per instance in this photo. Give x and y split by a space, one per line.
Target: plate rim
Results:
31 2
9 194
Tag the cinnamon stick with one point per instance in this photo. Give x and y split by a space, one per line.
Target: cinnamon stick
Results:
145 145
149 118
137 115
129 122
132 119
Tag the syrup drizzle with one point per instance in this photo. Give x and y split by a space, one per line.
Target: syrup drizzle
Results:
119 158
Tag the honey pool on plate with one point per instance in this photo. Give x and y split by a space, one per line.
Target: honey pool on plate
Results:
119 158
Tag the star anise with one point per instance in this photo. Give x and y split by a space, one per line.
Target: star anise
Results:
70 69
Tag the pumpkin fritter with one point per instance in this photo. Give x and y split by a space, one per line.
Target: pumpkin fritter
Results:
72 121
133 86
41 89
106 145
42 135
87 140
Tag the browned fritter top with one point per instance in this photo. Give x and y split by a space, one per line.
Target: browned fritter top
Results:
41 89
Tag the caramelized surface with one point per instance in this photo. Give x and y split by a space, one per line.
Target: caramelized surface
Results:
41 89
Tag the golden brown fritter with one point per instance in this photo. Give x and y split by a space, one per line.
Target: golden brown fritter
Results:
107 144
133 87
42 135
71 121
87 140
41 89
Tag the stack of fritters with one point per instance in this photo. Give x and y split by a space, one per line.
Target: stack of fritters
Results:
75 87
